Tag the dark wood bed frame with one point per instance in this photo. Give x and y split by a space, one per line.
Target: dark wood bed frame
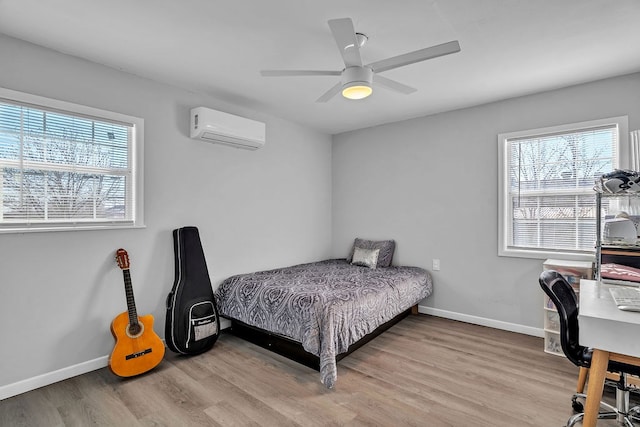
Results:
293 350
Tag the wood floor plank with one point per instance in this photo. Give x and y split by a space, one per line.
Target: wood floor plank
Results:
34 409
424 371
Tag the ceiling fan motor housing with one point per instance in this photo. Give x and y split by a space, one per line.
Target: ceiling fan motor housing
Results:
357 76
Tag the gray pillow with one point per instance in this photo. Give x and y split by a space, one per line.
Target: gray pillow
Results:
365 257
387 247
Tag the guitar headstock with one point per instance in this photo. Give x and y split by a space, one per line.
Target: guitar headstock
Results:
123 259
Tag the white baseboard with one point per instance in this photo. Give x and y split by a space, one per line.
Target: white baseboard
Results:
482 321
91 365
52 377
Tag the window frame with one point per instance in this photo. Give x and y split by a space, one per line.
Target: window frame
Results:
135 153
503 185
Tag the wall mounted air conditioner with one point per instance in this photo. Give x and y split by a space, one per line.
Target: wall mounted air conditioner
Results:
224 128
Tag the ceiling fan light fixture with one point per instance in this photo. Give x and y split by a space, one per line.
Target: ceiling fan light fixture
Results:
356 90
357 82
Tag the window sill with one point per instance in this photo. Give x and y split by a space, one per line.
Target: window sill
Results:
92 227
565 255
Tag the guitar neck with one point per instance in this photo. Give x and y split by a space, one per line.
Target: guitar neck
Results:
131 303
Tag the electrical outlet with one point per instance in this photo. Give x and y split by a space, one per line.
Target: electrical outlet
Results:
436 265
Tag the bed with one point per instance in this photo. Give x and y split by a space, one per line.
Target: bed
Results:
318 311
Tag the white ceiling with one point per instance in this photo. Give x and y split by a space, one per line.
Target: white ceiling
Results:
508 48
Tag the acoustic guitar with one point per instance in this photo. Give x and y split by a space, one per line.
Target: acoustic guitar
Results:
138 348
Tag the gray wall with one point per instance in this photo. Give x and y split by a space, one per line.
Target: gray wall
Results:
431 183
59 291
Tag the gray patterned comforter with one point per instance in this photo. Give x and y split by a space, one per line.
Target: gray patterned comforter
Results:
326 305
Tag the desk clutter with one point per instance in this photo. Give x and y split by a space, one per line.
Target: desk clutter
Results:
618 228
619 181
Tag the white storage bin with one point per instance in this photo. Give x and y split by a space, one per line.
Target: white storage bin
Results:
551 321
552 343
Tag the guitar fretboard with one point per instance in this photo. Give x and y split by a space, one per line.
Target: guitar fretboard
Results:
131 303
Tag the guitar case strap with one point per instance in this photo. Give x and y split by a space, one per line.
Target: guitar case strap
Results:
192 325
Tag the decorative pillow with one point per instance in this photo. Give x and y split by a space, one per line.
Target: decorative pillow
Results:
365 257
387 247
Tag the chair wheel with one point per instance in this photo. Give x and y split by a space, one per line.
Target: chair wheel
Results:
577 406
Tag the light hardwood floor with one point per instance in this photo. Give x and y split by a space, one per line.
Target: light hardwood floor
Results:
424 371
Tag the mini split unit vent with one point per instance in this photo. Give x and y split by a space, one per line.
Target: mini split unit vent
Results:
224 128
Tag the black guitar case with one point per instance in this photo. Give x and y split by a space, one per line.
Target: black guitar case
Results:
192 324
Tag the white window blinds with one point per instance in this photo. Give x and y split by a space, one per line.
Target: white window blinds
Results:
549 198
62 168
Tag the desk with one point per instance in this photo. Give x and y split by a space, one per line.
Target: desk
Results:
612 333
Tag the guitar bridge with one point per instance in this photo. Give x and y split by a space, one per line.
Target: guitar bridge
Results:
138 354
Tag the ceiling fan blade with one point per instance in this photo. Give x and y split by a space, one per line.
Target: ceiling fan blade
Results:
346 40
279 73
415 56
330 93
393 85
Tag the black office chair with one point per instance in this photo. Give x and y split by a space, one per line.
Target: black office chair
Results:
566 302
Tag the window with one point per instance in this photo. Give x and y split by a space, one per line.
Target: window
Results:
547 202
67 166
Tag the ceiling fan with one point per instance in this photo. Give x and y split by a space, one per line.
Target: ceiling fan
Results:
356 78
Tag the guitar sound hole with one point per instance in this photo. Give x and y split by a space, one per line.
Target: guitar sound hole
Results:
134 331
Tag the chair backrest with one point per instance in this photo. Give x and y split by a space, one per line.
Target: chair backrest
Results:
566 302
